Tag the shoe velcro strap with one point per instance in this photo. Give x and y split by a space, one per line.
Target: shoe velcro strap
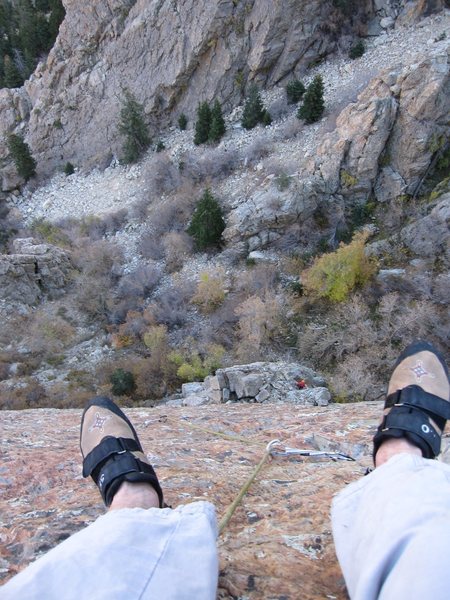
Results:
107 447
118 466
413 395
413 420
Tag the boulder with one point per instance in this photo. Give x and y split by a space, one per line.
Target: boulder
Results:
33 271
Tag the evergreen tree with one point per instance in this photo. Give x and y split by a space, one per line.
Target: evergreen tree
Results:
207 223
313 104
294 91
21 154
57 15
203 124
217 128
253 109
132 125
11 75
266 118
182 122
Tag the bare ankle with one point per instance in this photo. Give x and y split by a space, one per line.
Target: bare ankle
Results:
135 495
393 446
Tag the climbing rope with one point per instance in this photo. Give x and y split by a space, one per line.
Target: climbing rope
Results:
274 448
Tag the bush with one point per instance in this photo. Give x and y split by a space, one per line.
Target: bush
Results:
313 104
177 247
253 109
69 169
122 383
132 125
182 122
203 124
294 91
335 275
21 155
259 324
207 223
357 50
210 291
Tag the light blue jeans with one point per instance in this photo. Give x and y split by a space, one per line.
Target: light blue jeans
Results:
392 531
129 554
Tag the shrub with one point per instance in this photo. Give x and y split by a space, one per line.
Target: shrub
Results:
357 50
122 383
182 122
203 124
313 105
294 91
132 125
160 146
207 223
177 247
210 291
161 176
21 155
217 127
193 366
69 169
259 324
253 109
336 274
50 233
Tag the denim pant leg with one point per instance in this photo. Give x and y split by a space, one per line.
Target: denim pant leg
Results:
392 531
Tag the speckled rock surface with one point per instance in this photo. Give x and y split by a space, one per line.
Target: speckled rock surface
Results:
278 544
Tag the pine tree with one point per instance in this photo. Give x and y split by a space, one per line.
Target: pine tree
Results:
203 124
217 128
253 109
207 223
266 118
21 154
313 104
11 75
132 125
294 91
182 122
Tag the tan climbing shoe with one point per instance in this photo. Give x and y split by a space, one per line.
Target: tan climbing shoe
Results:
418 400
111 450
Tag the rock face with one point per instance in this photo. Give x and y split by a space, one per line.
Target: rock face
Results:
171 56
278 544
259 382
383 145
34 270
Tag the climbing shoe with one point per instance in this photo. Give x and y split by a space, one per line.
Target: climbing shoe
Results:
418 400
111 450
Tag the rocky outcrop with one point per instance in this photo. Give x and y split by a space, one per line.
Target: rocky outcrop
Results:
387 140
32 271
171 56
383 146
263 382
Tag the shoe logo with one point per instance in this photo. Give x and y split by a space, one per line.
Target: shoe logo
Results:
98 422
419 371
101 481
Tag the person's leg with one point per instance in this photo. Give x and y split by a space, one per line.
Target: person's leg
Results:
136 550
392 528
